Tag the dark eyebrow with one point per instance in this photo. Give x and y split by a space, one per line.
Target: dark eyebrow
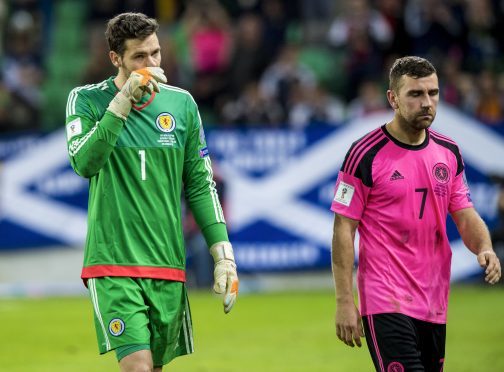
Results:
144 52
420 91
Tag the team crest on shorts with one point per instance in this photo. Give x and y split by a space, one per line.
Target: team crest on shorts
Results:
166 122
441 173
395 367
116 327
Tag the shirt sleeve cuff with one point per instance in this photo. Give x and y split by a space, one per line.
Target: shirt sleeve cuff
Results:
215 233
112 123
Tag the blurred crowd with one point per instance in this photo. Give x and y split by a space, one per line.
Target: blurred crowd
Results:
23 33
273 63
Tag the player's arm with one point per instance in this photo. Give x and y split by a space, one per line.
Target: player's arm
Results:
89 150
201 195
348 320
476 237
91 139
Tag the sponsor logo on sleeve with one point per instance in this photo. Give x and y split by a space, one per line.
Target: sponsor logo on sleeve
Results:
203 152
116 327
74 128
344 193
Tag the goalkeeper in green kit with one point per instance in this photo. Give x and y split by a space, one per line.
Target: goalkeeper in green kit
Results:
141 143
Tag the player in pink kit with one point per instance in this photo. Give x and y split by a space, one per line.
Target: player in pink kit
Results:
396 186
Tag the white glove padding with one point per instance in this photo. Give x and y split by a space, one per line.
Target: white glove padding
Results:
225 275
140 82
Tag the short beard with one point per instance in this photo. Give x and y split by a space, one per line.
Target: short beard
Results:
414 124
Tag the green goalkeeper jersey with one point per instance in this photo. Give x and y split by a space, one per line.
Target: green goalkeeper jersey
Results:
137 170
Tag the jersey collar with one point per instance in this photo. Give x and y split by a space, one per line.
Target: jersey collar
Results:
405 145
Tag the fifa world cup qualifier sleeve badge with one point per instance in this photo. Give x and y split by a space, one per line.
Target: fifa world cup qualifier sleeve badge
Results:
344 193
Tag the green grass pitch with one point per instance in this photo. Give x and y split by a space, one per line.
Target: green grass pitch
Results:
265 332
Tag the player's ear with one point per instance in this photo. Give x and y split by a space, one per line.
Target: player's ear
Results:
392 99
115 59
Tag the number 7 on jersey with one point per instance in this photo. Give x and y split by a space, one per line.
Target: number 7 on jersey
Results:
424 198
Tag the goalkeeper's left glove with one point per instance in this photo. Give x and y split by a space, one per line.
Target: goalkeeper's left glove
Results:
140 82
225 276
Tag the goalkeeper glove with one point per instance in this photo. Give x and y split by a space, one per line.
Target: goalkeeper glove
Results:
139 83
225 276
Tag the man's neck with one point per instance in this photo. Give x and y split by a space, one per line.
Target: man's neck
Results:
405 134
119 80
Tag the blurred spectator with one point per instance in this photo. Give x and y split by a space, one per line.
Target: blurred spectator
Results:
252 108
208 31
230 54
285 73
314 106
248 60
450 88
358 17
16 114
469 94
3 22
101 11
22 65
435 27
275 15
393 13
98 65
363 34
316 17
482 37
490 108
370 100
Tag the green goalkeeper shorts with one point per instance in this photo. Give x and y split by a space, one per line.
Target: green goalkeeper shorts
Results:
141 311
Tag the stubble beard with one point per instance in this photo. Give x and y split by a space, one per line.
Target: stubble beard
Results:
415 123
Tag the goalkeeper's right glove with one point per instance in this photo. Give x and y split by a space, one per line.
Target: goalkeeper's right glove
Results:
139 83
225 276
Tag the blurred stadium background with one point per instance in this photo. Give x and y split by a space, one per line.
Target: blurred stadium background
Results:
284 87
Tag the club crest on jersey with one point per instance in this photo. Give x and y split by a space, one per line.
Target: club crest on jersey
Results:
166 122
116 327
441 173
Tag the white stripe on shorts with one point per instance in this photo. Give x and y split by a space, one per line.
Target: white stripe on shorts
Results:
186 324
94 299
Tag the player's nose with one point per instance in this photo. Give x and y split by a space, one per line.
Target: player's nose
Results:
427 101
152 62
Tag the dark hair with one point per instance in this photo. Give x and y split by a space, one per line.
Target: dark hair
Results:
412 66
128 26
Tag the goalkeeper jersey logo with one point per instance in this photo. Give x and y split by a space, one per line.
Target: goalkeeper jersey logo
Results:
166 122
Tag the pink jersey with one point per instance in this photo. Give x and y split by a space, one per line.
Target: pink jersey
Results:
401 196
